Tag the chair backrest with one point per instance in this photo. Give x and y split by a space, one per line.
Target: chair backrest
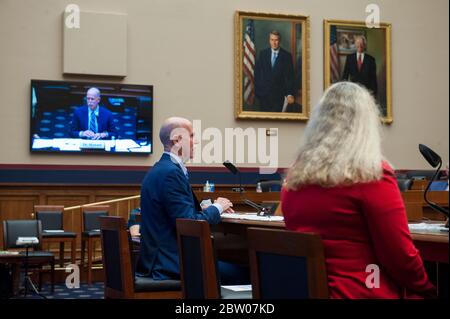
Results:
12 229
438 186
421 174
51 216
119 277
198 268
271 186
286 264
90 215
404 184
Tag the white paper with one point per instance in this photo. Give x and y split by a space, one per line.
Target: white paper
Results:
7 252
238 287
42 143
141 149
125 144
26 240
253 217
427 227
53 231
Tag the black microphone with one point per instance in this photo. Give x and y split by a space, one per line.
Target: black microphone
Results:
233 169
262 211
435 161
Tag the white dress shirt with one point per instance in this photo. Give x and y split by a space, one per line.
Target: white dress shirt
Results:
179 161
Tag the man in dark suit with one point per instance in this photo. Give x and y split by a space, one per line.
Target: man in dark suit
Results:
274 76
167 195
93 121
361 67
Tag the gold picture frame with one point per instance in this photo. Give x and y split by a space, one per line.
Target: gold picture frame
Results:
271 85
340 55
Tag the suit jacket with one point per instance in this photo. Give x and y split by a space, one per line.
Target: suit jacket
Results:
360 224
165 196
80 121
368 74
273 84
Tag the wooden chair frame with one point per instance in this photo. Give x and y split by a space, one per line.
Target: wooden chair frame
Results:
201 230
57 239
90 241
118 224
289 243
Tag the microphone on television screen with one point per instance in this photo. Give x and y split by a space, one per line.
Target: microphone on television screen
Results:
435 161
233 169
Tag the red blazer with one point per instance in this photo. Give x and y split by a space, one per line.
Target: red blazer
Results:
360 225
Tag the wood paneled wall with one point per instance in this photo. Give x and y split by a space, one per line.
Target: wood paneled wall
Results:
17 200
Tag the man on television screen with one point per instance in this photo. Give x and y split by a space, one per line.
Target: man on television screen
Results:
92 121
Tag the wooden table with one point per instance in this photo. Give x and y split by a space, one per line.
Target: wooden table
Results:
432 246
416 207
238 198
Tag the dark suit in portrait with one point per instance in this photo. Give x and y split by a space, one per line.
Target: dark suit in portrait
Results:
272 84
80 121
165 196
367 76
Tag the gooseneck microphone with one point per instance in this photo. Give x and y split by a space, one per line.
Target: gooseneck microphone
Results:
233 169
435 161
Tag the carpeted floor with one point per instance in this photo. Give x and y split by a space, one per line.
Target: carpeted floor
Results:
94 291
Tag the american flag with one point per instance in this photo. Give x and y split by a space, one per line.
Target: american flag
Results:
334 58
249 63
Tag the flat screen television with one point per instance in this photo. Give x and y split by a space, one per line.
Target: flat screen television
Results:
88 117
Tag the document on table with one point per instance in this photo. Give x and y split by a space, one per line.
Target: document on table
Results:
427 227
238 287
252 217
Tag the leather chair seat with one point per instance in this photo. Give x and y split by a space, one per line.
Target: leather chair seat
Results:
50 234
91 233
147 284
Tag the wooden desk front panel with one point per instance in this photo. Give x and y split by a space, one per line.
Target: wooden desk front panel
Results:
432 246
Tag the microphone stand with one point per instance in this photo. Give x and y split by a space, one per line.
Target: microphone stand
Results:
241 190
434 206
262 211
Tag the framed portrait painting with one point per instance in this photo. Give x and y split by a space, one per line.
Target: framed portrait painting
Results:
271 66
353 52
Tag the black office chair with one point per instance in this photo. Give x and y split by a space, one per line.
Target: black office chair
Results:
51 217
271 186
120 279
404 184
13 229
198 263
421 174
90 234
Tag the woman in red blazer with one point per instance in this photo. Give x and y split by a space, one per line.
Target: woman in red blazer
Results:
341 188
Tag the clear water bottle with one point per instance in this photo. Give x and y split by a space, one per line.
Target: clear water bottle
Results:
207 187
113 144
258 188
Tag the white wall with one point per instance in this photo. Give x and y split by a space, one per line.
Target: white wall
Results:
185 48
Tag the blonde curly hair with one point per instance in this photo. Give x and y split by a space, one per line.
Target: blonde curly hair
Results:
342 141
